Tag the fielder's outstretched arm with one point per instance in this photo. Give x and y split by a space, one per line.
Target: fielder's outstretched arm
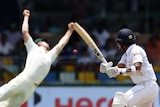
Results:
25 25
64 40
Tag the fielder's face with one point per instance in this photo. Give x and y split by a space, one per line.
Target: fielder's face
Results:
44 44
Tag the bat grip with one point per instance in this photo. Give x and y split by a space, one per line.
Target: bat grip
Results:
103 60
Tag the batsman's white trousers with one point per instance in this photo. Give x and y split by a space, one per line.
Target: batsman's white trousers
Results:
16 92
143 94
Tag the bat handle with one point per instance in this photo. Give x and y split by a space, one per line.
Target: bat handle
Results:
103 60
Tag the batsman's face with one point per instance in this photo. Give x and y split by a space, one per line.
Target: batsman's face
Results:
118 45
44 44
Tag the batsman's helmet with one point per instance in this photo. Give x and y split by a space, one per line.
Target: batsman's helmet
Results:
125 37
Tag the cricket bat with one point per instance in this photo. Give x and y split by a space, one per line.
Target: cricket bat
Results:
89 41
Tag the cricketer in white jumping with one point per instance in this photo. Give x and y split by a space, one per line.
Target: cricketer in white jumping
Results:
38 63
133 63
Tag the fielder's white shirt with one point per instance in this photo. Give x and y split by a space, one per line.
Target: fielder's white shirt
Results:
38 62
135 54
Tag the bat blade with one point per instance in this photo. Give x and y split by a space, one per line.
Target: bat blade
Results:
89 41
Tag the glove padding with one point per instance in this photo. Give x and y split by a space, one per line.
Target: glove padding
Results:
104 67
113 72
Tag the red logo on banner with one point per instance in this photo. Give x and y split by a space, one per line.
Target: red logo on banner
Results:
24 105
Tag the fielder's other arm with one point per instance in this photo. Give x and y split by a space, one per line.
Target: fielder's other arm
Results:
25 25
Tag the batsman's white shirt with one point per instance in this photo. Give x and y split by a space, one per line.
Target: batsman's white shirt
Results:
146 89
37 66
137 54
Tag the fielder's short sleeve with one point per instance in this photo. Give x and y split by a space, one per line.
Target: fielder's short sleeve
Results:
30 45
53 54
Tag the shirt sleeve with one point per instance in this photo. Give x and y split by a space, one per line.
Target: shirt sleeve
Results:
137 57
30 45
123 59
53 54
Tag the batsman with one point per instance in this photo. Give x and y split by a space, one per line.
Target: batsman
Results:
134 63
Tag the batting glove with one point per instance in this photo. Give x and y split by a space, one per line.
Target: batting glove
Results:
104 67
114 71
